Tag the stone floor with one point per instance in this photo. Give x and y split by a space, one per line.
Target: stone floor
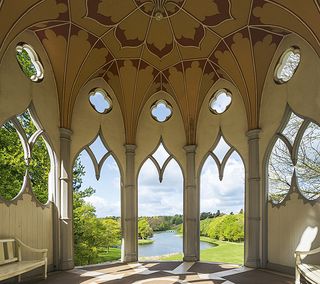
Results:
165 272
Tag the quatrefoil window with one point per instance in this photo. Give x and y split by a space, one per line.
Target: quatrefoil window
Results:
287 66
100 101
29 62
161 111
220 101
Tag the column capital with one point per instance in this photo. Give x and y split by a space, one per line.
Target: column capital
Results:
65 133
190 148
253 133
130 148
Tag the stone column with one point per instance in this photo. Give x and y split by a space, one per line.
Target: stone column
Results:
253 208
130 212
191 224
66 224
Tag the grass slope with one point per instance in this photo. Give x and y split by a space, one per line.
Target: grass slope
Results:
227 252
112 255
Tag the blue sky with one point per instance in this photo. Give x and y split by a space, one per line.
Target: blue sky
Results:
166 198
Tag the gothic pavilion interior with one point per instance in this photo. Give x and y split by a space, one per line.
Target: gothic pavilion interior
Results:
183 54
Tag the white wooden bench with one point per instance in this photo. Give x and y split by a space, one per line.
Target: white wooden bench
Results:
11 262
310 272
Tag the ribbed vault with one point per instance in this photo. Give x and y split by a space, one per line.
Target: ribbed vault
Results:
142 46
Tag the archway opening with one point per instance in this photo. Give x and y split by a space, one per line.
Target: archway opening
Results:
96 206
160 208
222 187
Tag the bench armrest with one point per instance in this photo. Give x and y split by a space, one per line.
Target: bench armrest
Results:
313 251
22 244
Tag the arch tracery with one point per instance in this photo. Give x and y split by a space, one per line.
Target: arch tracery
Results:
38 157
293 160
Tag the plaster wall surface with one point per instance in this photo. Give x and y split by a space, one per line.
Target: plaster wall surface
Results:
287 223
25 218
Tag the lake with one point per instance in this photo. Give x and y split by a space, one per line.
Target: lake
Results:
166 243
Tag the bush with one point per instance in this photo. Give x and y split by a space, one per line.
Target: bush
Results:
224 228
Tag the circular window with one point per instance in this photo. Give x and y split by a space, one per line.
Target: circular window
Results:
29 62
100 101
161 111
220 101
287 66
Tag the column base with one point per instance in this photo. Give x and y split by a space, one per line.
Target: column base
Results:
67 265
130 258
190 258
253 263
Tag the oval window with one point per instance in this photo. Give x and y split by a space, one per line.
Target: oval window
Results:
287 66
29 62
100 101
220 101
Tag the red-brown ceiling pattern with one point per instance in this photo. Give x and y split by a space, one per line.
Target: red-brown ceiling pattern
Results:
142 46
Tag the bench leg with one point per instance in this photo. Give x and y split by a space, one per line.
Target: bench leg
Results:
45 271
297 277
19 278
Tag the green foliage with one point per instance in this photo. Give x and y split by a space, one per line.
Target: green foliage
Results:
179 229
39 169
144 229
26 64
112 232
145 242
224 228
93 237
164 223
12 164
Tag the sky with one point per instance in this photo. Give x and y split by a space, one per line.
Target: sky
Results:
166 198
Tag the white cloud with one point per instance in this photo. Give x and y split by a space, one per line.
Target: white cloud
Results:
157 198
103 207
226 195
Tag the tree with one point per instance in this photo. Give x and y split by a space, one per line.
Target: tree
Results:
13 166
307 158
112 232
205 215
224 228
144 229
92 235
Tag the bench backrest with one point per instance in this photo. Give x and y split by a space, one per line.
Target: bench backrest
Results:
7 251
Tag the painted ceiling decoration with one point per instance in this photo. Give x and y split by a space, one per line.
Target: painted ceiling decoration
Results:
142 46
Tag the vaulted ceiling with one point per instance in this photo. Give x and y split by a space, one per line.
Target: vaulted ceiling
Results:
142 46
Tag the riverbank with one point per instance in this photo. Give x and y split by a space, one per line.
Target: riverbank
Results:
159 257
145 242
227 252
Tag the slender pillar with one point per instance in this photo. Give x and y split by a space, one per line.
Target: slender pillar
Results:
66 224
191 225
130 213
253 208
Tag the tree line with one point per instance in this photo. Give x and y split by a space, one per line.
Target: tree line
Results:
224 228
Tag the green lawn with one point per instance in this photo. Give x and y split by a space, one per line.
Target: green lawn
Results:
227 252
145 242
112 255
